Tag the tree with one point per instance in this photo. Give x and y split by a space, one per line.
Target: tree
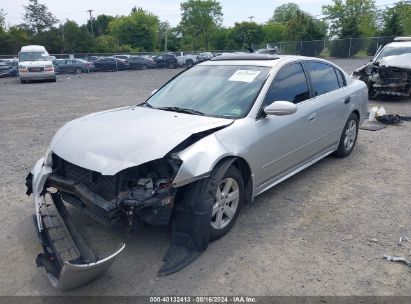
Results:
352 18
285 12
37 17
76 39
51 38
100 24
247 33
200 17
2 19
274 32
397 19
138 30
219 39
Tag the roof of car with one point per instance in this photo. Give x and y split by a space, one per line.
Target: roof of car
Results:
251 56
33 48
400 44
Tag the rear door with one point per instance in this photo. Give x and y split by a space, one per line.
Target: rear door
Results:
330 100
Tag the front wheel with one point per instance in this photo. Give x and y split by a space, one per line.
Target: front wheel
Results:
348 137
229 196
171 65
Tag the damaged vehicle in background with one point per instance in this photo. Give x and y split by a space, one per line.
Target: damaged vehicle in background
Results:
190 158
389 73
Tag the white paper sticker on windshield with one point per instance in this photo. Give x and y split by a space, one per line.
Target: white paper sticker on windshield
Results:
244 75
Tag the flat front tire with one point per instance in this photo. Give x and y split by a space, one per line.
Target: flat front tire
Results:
348 137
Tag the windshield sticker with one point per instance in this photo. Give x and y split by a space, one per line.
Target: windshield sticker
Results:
244 75
236 111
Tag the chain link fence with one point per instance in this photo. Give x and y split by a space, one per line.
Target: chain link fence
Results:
337 48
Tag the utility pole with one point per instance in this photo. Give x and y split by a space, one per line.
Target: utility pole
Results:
91 21
251 18
165 41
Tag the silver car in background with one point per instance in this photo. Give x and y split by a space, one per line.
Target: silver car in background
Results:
208 141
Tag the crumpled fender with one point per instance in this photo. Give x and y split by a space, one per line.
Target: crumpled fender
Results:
199 159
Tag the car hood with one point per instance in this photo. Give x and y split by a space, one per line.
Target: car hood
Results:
399 61
111 141
35 63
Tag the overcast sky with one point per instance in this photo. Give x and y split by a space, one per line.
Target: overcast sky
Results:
234 10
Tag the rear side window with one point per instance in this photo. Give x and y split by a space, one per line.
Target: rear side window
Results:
290 84
323 77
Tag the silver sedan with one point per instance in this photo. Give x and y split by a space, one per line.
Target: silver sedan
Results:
208 141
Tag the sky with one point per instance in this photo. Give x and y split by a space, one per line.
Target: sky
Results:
166 10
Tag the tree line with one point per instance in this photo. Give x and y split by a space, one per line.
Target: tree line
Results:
201 28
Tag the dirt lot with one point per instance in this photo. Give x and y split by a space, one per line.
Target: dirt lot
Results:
322 232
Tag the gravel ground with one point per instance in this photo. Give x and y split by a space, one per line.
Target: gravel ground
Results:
322 232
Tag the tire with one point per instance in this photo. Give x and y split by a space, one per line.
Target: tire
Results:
348 137
54 79
22 81
144 67
218 228
171 65
189 63
78 71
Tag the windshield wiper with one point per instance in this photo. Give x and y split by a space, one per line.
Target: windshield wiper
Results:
146 104
181 110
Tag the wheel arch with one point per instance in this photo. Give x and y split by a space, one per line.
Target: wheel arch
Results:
242 165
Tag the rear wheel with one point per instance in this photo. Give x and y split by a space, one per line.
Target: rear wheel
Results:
77 71
171 65
348 137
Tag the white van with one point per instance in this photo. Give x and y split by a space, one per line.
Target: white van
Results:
35 64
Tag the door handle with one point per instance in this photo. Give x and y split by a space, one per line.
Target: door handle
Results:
347 100
312 117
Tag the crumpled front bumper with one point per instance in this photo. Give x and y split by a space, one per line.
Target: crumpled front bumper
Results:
67 259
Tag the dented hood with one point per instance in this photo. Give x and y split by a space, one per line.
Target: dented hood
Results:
401 61
111 141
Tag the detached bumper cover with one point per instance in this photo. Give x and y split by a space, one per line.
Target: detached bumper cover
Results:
67 260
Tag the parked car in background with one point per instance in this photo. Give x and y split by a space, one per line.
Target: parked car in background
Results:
124 57
9 68
207 142
141 63
111 64
35 63
75 66
205 56
186 59
269 51
168 61
389 72
91 58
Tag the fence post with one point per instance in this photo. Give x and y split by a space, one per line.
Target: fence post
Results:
349 49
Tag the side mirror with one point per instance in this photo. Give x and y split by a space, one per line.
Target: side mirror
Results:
153 92
280 108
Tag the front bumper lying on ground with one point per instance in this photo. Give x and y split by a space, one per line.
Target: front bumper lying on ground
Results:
68 261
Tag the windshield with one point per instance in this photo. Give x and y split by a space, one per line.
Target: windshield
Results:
33 56
220 91
393 51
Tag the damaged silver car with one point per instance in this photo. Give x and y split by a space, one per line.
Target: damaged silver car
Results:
211 139
389 73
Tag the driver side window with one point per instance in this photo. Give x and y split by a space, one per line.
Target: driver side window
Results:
290 84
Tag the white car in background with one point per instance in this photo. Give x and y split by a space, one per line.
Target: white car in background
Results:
35 63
